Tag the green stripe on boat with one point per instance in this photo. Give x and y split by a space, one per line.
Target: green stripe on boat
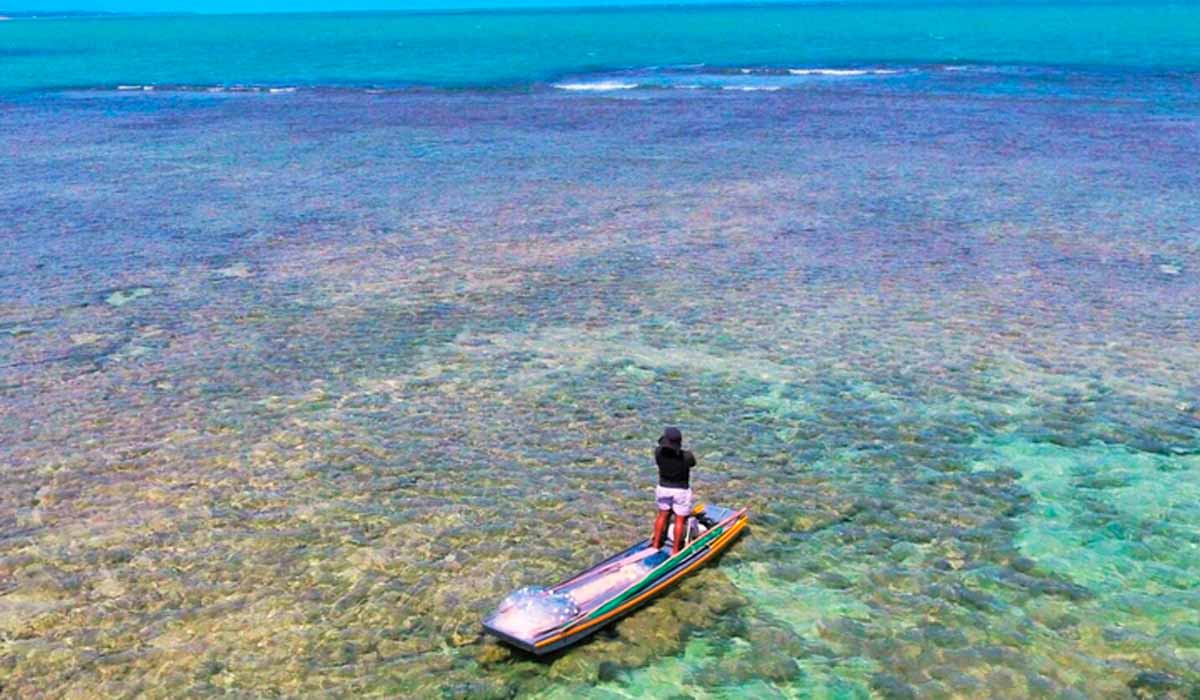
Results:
653 575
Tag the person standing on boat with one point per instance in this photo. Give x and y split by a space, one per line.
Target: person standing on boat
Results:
674 491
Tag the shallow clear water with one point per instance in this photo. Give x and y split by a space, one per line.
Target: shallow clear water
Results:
295 387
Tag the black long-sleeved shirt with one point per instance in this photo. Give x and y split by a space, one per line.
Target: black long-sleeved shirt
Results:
674 467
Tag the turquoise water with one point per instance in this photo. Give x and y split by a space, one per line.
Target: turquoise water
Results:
524 48
307 361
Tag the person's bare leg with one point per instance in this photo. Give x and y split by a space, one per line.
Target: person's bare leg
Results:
660 529
680 533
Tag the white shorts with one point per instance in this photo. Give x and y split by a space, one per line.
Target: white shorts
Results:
678 500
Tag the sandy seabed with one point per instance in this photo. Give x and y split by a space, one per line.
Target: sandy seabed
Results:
294 388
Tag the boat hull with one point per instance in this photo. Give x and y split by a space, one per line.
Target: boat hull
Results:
618 585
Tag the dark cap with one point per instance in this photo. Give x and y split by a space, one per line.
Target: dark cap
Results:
672 437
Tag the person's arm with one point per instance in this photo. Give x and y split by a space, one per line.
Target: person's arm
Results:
689 459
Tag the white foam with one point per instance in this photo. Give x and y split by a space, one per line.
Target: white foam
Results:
841 72
276 91
826 72
598 86
751 88
130 87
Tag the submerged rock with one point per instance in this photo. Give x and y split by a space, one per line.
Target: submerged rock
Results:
493 652
576 668
890 687
18 612
237 270
488 689
121 297
1158 685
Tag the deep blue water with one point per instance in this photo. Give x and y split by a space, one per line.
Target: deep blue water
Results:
525 48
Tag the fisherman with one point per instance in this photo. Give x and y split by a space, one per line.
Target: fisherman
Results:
674 492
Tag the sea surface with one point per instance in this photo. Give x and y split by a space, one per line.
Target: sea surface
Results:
319 334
